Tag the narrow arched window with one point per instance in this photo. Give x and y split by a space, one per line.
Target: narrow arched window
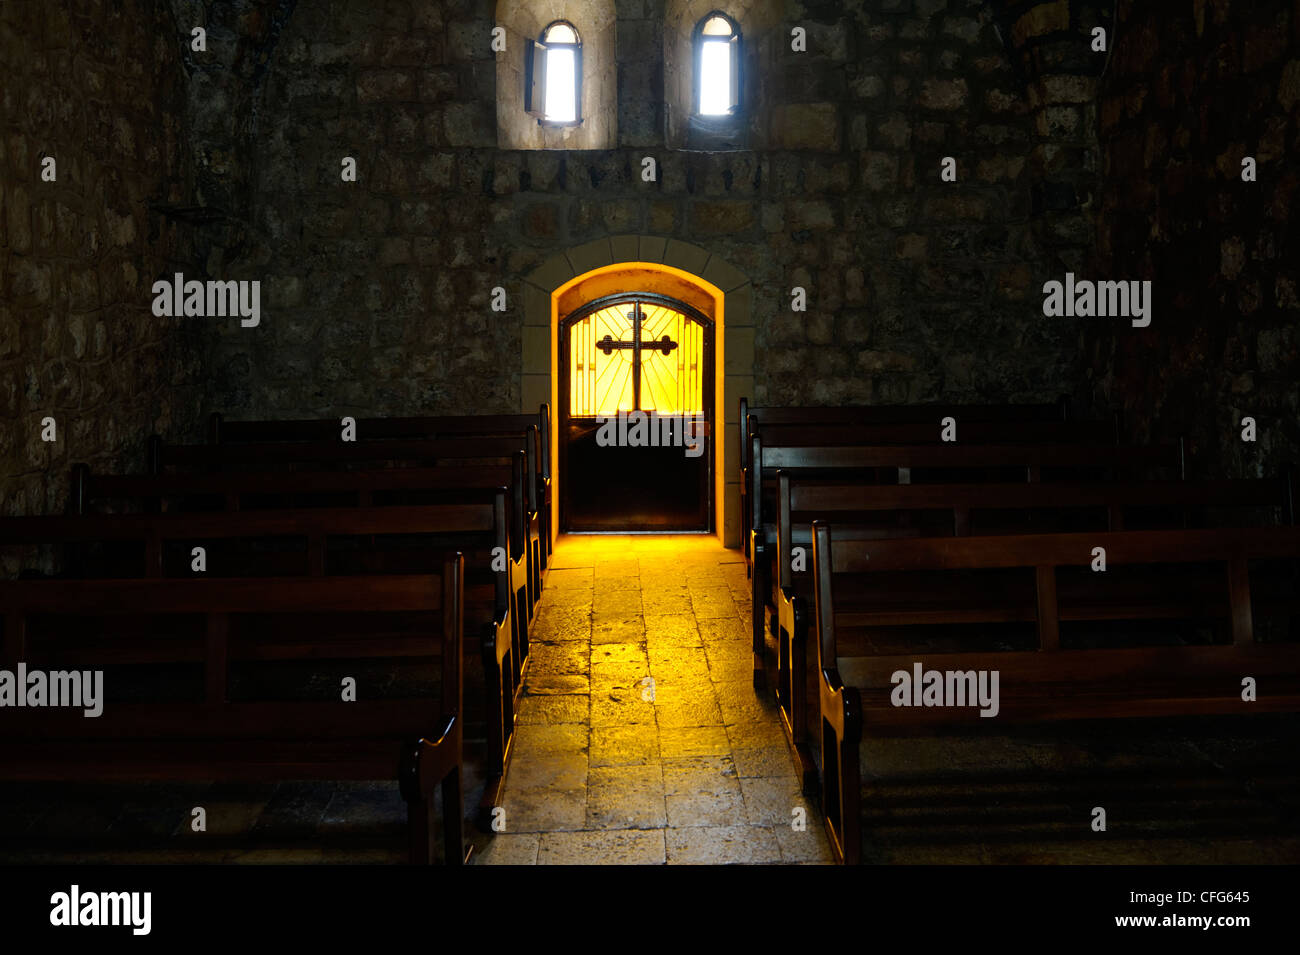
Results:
554 93
717 65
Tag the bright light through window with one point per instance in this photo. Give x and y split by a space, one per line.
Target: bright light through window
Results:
717 41
560 86
715 78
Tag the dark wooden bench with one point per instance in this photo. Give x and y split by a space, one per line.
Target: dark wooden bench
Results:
877 512
469 517
216 734
245 490
865 593
930 432
927 462
318 455
757 417
224 432
753 419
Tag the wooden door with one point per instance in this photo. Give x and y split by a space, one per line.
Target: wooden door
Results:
636 416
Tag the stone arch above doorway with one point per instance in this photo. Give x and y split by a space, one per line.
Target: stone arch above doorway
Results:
690 263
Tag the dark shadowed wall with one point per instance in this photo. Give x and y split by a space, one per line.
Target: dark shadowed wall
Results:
100 88
1192 89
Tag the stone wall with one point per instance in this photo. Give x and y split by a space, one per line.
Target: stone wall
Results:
376 293
1192 89
97 87
379 289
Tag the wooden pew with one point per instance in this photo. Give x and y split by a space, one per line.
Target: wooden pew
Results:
828 418
932 431
469 518
223 432
217 735
876 512
920 433
1055 676
757 417
334 454
929 462
243 490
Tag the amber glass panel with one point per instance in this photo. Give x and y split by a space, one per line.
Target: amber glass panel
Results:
671 382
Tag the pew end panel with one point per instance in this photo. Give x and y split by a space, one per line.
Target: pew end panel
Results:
435 764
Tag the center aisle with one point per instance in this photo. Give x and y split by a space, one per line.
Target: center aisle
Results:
641 738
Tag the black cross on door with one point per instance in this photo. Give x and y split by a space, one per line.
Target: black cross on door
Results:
636 346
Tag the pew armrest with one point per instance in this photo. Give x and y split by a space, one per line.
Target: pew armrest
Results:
426 762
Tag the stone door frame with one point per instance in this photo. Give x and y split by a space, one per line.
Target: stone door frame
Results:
734 344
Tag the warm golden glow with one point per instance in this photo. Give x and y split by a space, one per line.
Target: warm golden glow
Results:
602 384
688 287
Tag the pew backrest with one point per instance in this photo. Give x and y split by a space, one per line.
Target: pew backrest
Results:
1045 554
933 432
233 488
216 600
892 414
862 460
224 432
800 501
334 452
315 526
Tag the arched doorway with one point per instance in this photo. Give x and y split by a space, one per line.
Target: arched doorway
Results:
636 415
571 278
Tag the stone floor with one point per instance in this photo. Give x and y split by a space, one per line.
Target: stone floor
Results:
247 823
1219 791
642 740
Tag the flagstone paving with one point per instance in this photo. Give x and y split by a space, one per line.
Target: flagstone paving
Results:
641 739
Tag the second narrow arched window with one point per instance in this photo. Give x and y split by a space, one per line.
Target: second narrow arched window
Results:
717 65
555 76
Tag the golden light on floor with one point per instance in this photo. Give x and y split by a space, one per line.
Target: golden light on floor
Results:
596 548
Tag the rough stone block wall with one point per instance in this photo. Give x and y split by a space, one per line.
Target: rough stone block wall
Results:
379 289
100 89
1192 89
